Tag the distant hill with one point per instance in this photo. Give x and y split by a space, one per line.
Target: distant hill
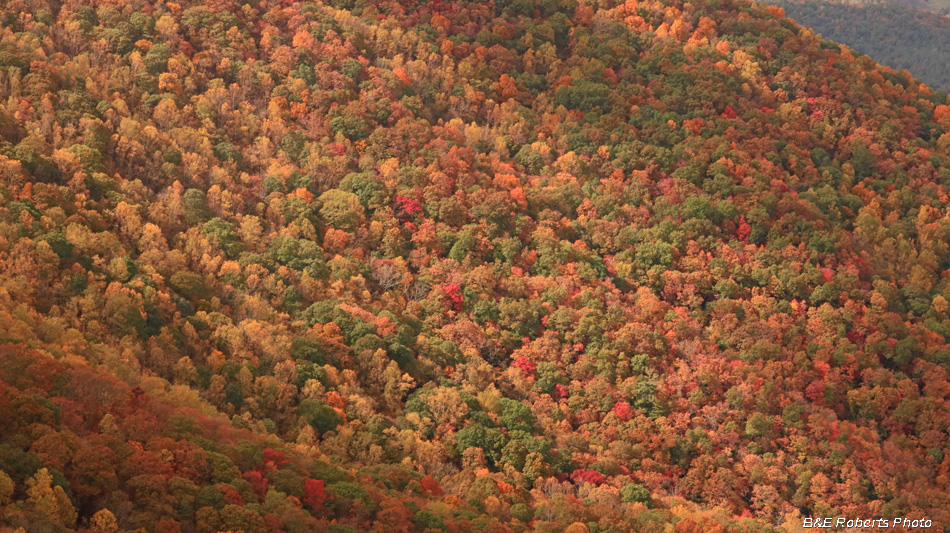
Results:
941 7
899 36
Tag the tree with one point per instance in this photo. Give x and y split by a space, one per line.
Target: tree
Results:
341 209
50 503
104 522
322 417
6 488
195 205
314 495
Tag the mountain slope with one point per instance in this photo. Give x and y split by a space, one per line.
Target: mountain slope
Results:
468 266
898 36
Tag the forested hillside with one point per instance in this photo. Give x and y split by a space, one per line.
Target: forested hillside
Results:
523 265
898 36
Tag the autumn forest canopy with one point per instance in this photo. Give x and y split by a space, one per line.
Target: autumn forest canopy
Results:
511 265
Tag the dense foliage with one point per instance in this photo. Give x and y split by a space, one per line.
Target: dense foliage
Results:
901 37
546 265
